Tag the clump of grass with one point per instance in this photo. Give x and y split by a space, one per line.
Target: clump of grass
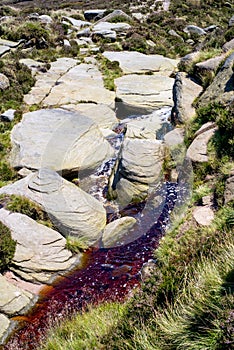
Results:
23 205
110 71
75 245
7 247
85 331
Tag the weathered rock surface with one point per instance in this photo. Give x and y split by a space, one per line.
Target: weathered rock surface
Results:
105 33
139 94
191 29
184 93
114 14
117 27
222 88
93 14
136 62
72 211
35 66
209 66
40 251
9 43
228 46
13 300
175 137
81 83
203 215
115 231
58 139
4 324
8 115
197 151
46 81
4 49
141 160
4 82
77 22
101 114
146 127
229 190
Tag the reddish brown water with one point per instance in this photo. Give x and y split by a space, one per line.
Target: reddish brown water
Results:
108 275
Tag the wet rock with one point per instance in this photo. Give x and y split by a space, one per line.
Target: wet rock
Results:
185 91
4 82
136 62
139 94
130 191
146 127
147 269
40 251
58 139
203 215
229 190
72 211
197 151
13 300
222 88
101 114
115 232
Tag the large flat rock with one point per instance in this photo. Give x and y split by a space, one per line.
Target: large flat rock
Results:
40 251
82 83
136 62
138 94
46 81
100 113
58 139
72 211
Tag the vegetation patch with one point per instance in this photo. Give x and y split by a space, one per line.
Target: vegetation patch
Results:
7 247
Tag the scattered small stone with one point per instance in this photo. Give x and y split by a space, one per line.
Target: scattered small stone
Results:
4 82
203 215
8 115
229 190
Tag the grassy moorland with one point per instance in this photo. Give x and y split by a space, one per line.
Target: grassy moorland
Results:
188 301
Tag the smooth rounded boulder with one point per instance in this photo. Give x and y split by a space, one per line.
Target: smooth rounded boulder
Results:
58 139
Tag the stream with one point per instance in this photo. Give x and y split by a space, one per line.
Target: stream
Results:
107 274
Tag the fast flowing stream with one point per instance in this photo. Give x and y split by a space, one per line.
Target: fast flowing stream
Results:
107 274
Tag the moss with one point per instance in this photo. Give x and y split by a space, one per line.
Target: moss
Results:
7 247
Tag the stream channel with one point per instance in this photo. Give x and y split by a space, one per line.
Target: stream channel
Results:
108 274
